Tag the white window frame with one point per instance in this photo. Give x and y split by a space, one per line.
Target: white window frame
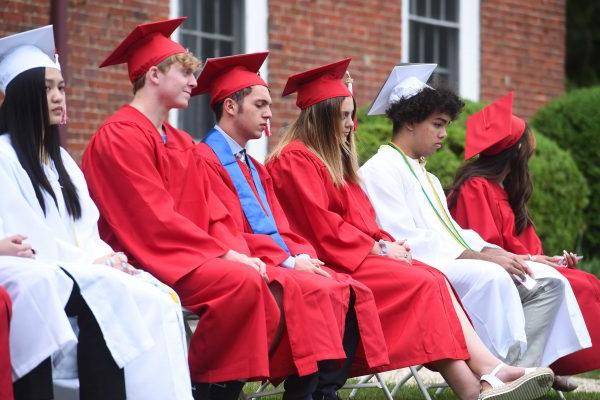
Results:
469 43
256 38
256 13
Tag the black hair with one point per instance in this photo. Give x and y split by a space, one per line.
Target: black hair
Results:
422 105
24 117
238 97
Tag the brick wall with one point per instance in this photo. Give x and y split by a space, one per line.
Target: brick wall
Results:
308 33
523 49
94 28
20 15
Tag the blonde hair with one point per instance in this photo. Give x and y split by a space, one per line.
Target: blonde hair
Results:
187 60
318 128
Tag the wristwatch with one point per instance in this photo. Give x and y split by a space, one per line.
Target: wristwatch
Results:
383 249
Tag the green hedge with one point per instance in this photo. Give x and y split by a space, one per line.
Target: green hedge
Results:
573 121
560 193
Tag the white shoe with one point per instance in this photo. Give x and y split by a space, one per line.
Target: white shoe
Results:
532 385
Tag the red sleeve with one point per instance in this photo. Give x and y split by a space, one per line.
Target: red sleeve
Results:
222 226
304 189
530 241
475 210
120 168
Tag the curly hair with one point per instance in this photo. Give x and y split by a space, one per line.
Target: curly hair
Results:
422 105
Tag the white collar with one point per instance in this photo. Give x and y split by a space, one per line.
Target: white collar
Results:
233 145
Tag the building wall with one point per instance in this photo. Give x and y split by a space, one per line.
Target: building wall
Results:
94 29
309 33
523 49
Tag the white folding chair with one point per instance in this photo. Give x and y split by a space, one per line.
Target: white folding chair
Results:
190 318
66 389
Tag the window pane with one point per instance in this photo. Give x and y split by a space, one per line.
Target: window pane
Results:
226 48
225 14
452 10
414 43
413 7
444 39
188 8
436 44
189 42
421 8
435 9
198 118
429 43
208 48
208 16
223 17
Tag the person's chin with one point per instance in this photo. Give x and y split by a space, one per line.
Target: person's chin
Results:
181 104
258 135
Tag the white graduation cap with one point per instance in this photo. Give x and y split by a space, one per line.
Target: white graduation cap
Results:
404 82
24 51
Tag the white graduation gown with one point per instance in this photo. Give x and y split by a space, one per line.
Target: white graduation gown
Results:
486 290
142 325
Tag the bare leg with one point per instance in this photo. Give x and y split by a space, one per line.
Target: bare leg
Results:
459 376
482 361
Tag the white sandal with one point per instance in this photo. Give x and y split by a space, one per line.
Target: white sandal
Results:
532 385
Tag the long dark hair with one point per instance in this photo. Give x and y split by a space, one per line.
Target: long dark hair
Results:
24 117
509 168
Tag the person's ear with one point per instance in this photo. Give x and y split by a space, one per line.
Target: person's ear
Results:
410 126
230 106
153 75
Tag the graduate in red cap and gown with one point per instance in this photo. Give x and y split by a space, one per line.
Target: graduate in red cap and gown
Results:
6 389
241 101
156 207
494 183
314 171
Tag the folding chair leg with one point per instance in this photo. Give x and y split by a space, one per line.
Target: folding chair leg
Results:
420 384
439 391
405 379
363 380
560 394
384 387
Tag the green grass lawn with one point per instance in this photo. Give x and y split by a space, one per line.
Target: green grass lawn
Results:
412 393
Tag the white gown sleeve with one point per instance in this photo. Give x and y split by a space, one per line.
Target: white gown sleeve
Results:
391 201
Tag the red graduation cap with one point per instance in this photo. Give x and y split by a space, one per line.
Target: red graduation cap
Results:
224 76
318 84
493 129
147 45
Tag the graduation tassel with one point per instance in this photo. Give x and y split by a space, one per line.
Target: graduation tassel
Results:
64 118
348 81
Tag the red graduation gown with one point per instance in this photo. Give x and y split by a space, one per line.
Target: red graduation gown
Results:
6 388
494 219
155 206
414 306
326 299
